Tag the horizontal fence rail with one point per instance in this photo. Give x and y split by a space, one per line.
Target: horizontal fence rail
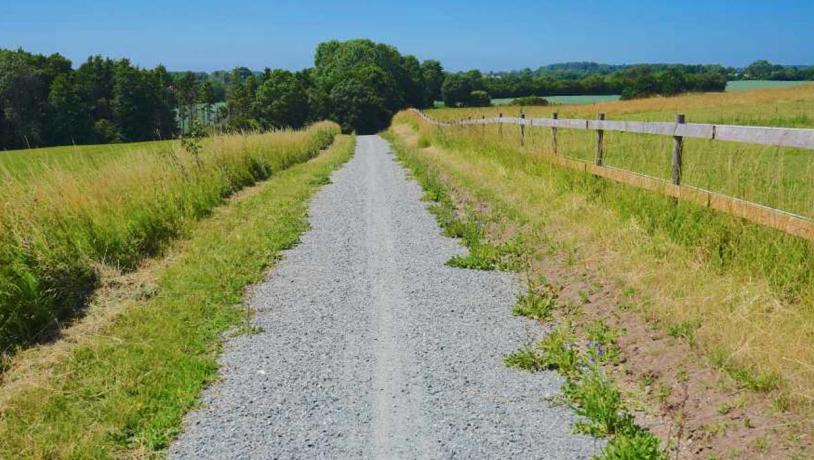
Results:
782 137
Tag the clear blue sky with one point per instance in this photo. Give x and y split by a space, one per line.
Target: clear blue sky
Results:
488 35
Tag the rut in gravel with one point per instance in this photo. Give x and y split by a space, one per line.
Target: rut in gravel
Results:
371 347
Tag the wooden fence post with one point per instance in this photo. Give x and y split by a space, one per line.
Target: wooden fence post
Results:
483 125
678 151
522 129
555 116
500 126
600 137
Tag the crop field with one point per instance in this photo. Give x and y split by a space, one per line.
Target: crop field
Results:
70 214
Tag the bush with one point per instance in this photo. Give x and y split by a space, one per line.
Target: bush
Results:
529 101
479 99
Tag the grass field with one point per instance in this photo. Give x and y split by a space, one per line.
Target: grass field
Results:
568 100
748 85
587 99
80 215
741 296
119 384
25 163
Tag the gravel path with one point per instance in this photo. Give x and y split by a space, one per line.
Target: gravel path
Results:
373 348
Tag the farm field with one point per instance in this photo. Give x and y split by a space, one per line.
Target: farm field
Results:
726 303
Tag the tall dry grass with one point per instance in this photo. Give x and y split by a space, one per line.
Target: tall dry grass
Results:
59 226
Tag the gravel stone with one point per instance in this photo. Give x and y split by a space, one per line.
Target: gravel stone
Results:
373 348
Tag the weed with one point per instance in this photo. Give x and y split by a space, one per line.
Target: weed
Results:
761 445
558 351
536 305
526 359
594 396
684 330
640 445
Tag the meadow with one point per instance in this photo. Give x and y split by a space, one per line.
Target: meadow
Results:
67 217
734 296
28 162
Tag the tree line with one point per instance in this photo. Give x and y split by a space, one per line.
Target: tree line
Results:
467 88
360 84
44 101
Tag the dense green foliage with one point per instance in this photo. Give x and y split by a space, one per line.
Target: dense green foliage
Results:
764 70
357 83
586 78
44 101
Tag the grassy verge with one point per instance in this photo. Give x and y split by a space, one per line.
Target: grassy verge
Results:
61 227
123 391
588 390
701 329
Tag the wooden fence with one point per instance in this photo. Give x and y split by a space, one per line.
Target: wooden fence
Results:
782 137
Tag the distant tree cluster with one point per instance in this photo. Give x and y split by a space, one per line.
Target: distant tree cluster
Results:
584 78
765 70
357 83
44 101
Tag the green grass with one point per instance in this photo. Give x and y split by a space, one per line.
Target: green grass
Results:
568 100
27 163
123 392
749 85
58 227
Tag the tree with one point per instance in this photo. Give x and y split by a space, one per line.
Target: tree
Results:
23 95
433 74
372 75
186 93
758 70
456 90
69 120
206 97
358 107
282 101
414 83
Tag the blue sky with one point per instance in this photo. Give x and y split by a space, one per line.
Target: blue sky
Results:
488 35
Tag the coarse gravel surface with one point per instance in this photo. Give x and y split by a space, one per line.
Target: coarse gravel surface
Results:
371 347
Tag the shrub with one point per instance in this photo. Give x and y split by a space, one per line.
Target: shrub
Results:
479 99
529 101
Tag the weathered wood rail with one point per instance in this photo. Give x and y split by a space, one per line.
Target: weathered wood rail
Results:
790 223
